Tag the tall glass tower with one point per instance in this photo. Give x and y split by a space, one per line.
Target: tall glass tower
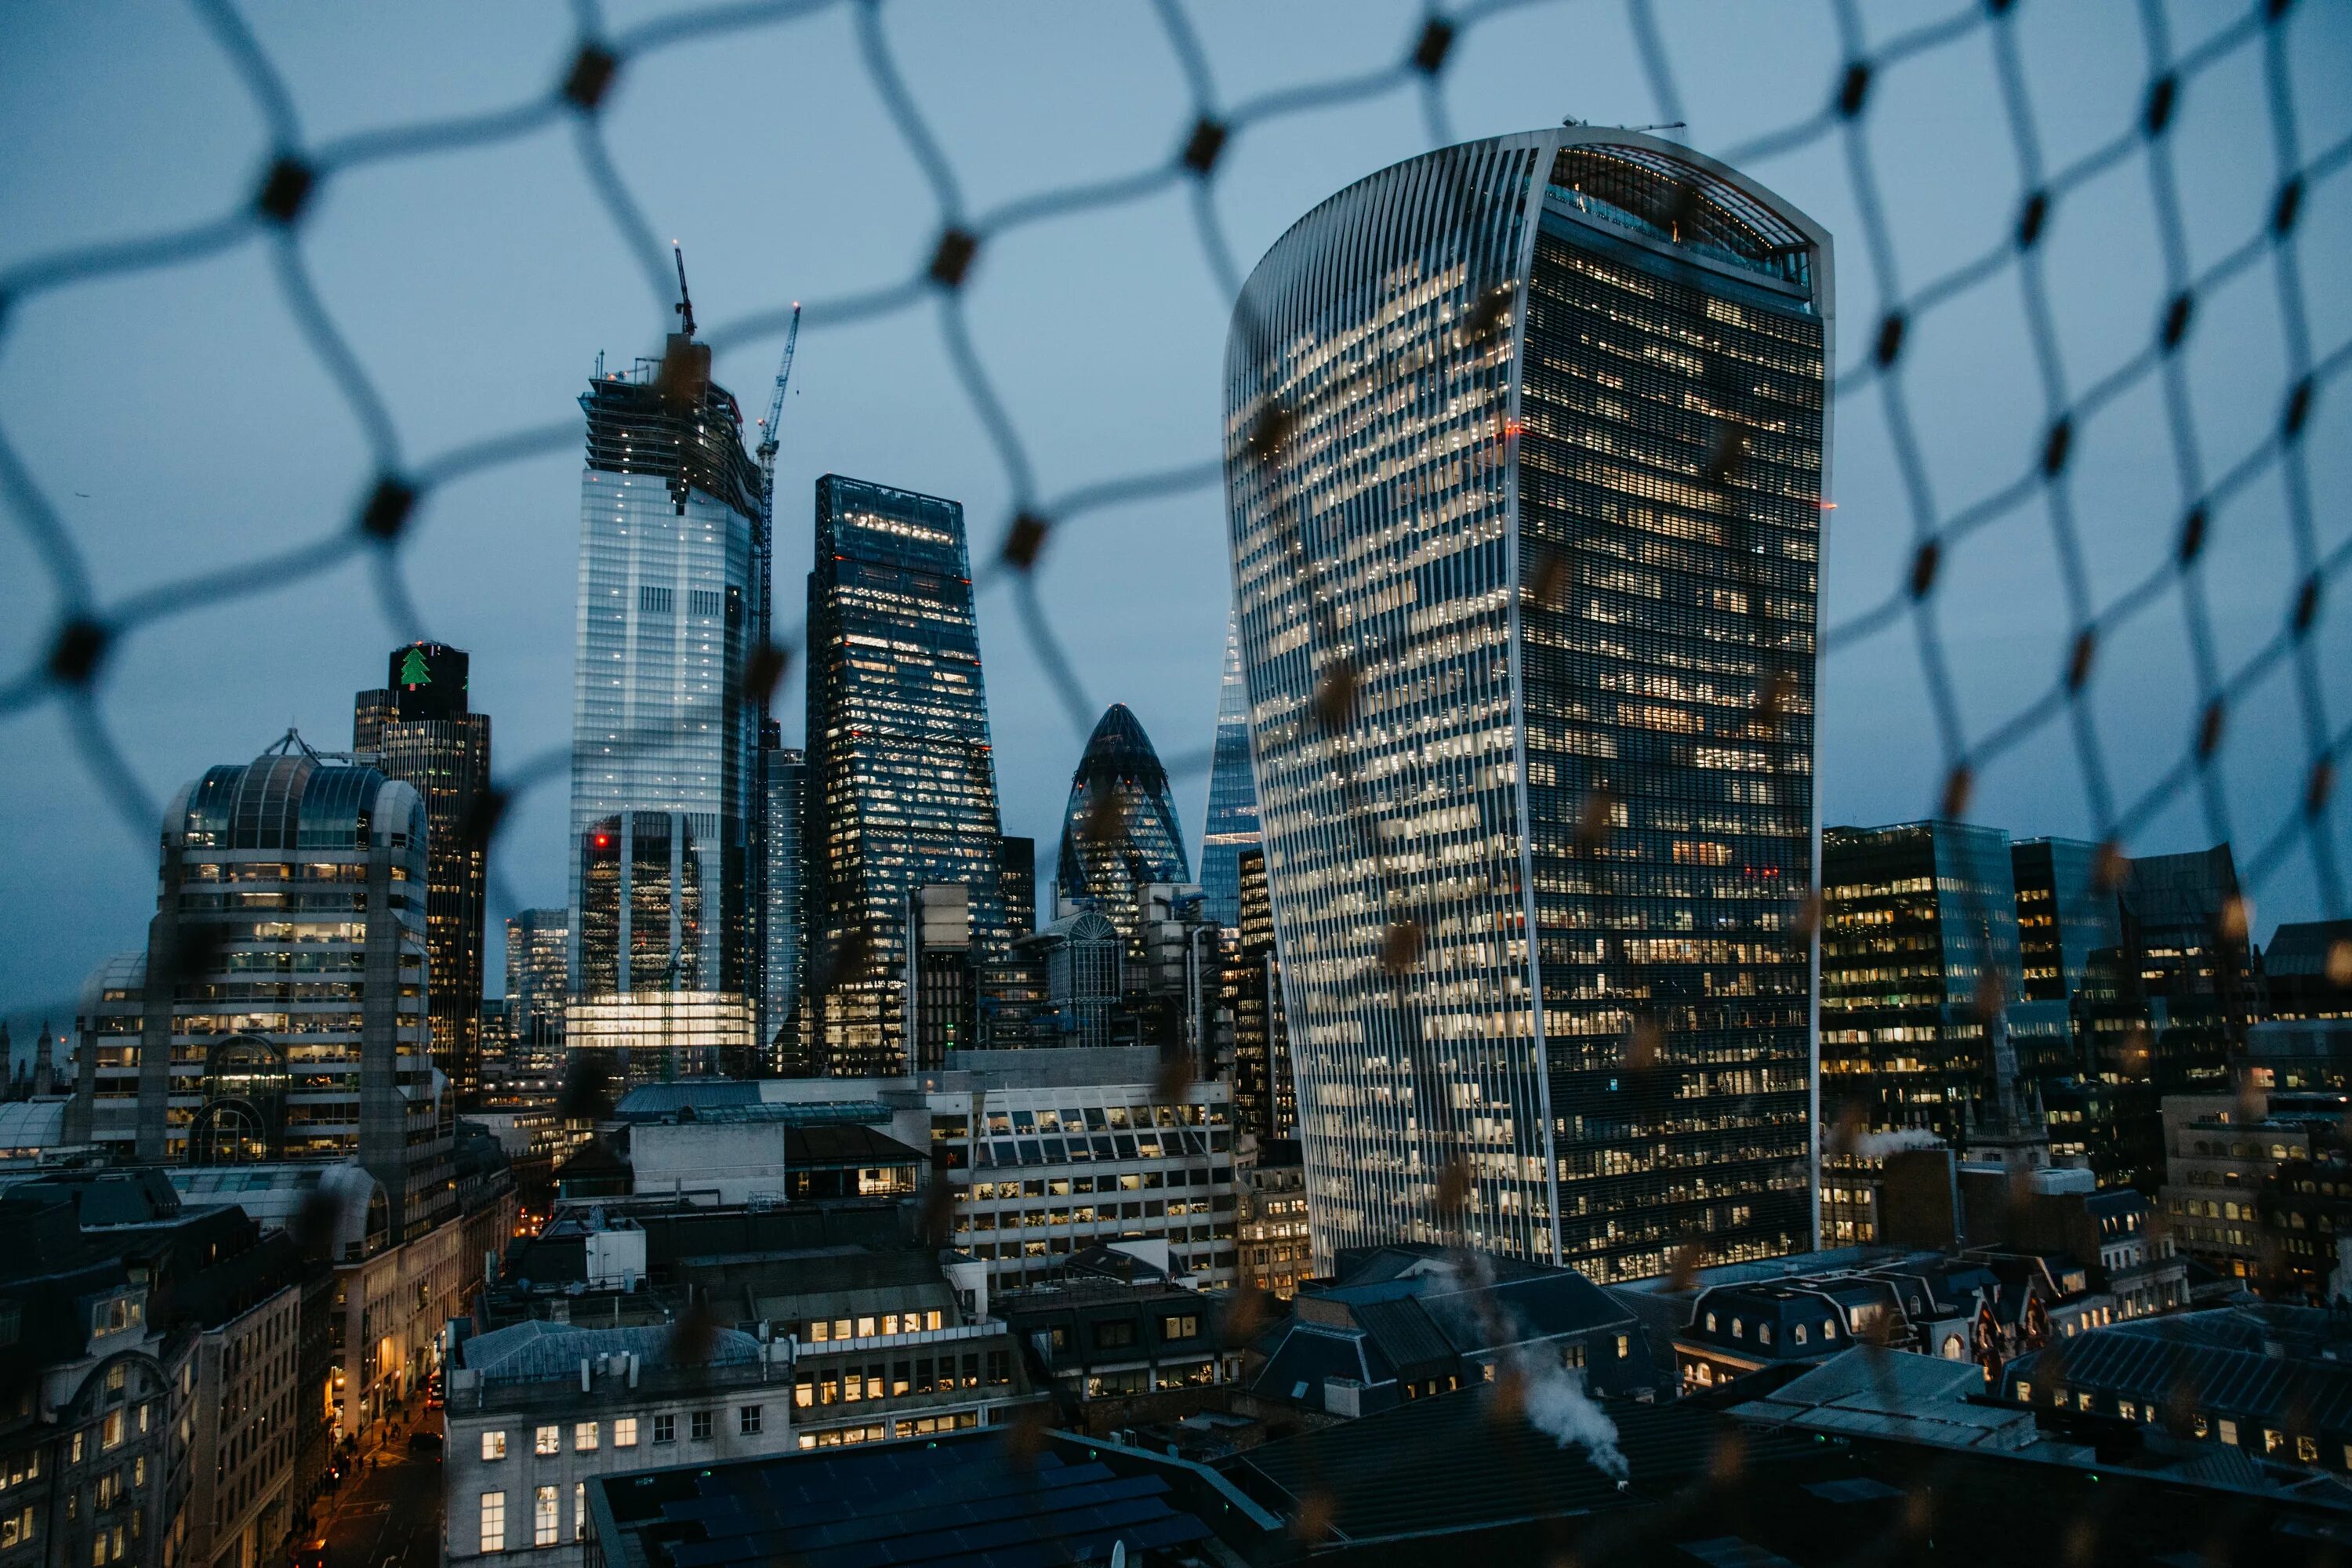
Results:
900 782
786 768
1119 831
1525 453
664 744
1232 796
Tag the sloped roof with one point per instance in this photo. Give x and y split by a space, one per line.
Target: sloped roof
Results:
2147 1360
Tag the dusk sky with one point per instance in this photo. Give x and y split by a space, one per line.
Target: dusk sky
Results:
178 423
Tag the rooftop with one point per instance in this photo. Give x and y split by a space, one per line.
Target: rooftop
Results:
987 1500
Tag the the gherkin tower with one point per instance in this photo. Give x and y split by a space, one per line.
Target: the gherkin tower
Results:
1119 832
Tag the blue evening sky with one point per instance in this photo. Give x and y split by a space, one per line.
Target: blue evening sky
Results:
177 422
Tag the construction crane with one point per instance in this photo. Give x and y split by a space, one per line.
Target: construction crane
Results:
767 450
685 306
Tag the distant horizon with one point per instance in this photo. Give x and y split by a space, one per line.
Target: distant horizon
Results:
178 421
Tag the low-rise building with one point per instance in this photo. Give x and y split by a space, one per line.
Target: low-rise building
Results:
1270 1219
2272 1382
536 1410
1119 1343
1398 1323
1044 1151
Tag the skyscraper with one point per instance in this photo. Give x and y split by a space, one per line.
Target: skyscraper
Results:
1119 833
282 996
539 944
419 729
1232 795
786 771
1266 1096
901 783
1525 451
665 741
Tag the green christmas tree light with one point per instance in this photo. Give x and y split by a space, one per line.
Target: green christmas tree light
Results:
412 669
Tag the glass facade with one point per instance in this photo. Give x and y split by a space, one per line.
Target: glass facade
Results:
1919 951
539 944
781 978
664 746
1119 831
1525 452
1232 795
901 783
2061 916
418 728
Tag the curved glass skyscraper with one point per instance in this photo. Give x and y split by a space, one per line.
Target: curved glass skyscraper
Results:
1233 796
1525 453
1119 832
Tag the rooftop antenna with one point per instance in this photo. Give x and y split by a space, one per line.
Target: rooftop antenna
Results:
685 306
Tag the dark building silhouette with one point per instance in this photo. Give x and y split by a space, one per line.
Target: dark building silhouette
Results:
1017 868
1266 1098
420 729
2307 969
2063 915
901 783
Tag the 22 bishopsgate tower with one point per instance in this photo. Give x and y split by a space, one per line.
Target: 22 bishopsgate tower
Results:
1525 446
665 741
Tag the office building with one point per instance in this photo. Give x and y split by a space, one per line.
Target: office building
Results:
1270 1224
1265 1095
1018 870
1045 1152
901 783
665 741
781 977
2308 968
1119 831
420 730
2187 959
539 946
537 1410
1233 793
290 908
157 1414
1919 946
2063 916
1524 459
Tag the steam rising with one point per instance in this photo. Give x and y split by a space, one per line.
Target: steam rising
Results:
1552 1396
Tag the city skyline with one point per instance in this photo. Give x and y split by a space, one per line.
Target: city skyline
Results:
471 338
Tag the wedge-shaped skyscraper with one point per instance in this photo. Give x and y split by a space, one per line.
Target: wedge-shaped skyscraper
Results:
900 786
1525 457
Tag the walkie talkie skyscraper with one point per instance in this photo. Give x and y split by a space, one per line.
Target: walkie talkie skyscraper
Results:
1525 444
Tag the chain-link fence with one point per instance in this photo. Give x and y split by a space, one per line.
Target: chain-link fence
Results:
1889 317
2255 495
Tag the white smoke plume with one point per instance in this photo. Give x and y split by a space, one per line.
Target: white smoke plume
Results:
1551 1396
1878 1145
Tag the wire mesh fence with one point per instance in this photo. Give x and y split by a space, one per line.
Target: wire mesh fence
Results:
2269 501
2214 489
